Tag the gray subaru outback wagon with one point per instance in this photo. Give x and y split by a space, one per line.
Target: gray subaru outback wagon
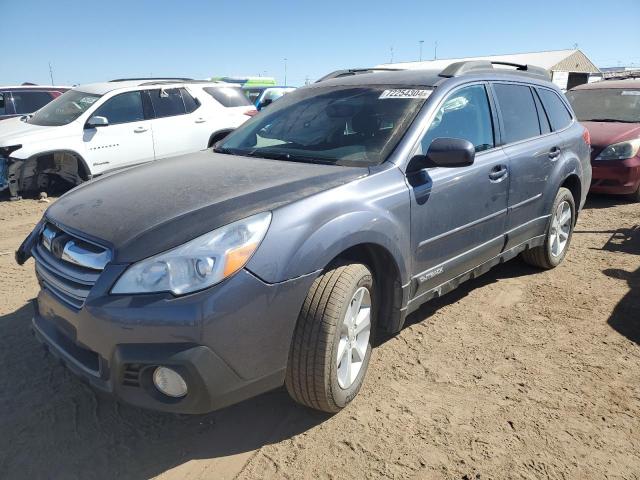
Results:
195 282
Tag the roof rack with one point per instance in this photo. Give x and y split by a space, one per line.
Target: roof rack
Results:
179 79
355 71
476 66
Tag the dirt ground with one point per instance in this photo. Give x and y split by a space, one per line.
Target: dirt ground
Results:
518 374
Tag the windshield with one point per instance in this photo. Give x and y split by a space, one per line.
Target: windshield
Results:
350 125
64 109
607 104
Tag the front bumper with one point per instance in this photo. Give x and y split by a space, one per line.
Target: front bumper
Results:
616 176
229 342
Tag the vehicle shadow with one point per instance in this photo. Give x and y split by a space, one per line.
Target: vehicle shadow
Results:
599 201
625 318
55 426
623 240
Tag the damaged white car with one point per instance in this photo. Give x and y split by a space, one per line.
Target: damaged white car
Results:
96 128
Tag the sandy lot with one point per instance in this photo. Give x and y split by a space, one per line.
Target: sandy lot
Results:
519 374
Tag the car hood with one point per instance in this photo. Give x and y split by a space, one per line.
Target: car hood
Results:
146 210
14 131
604 134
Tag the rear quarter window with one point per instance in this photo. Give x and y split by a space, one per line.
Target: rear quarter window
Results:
3 110
558 114
228 96
519 114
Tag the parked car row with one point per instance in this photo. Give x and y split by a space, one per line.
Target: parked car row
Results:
200 280
98 128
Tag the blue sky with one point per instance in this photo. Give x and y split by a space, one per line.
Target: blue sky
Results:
95 41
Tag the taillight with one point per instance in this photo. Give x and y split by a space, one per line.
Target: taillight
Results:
586 136
251 112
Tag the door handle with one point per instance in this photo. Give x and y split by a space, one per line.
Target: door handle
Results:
554 153
140 129
200 120
498 173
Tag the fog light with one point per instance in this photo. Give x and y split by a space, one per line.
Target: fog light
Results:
169 382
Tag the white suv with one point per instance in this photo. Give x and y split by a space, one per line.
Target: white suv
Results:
100 127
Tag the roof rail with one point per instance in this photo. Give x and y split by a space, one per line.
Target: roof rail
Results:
355 71
475 66
179 79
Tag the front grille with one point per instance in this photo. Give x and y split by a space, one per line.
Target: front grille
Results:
68 266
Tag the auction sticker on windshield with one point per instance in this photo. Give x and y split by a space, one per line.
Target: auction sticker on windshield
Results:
405 93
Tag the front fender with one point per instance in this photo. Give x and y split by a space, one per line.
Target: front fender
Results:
305 236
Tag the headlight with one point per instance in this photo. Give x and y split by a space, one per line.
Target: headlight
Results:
620 151
199 263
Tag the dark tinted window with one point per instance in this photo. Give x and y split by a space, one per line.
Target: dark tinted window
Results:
167 102
229 96
519 114
545 126
29 102
465 114
123 108
190 103
2 107
558 114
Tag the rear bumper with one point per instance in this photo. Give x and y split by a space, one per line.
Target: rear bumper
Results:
616 176
225 342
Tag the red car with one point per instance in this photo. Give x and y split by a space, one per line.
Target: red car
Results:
610 110
25 99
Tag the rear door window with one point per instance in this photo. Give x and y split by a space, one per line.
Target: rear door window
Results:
519 115
167 102
29 102
228 96
3 110
464 114
123 108
558 114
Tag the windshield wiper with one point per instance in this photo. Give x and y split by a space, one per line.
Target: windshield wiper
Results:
609 120
288 157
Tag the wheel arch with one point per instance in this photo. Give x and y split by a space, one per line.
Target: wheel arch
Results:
387 280
22 170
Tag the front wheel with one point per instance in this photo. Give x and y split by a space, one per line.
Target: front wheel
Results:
559 232
332 341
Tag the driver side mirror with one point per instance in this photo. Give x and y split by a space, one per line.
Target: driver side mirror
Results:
445 152
97 121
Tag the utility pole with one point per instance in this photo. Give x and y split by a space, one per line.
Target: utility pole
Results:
285 71
391 50
51 73
306 80
420 42
435 51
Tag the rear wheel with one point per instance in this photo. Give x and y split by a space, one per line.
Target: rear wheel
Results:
552 252
332 341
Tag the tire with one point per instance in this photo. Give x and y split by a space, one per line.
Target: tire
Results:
635 197
548 255
315 378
